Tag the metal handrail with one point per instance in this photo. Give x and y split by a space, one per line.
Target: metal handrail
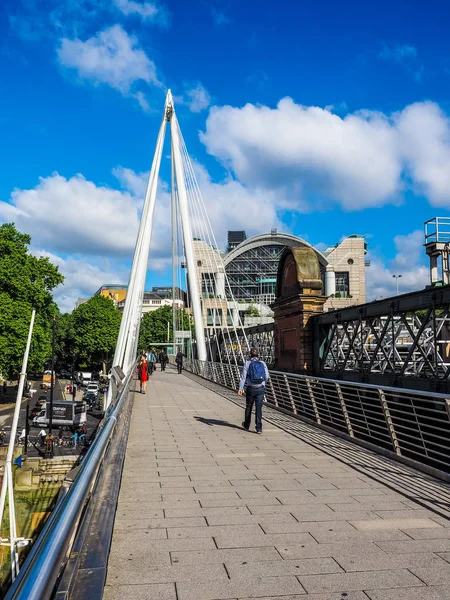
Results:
48 556
413 425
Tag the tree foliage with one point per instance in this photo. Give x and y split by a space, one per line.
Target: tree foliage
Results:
26 282
154 326
92 330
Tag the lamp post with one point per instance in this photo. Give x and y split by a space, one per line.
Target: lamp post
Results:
396 277
52 386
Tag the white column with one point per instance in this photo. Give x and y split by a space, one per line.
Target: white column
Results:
330 282
220 284
187 237
434 268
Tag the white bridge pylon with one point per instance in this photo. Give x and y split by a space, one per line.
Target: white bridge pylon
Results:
126 348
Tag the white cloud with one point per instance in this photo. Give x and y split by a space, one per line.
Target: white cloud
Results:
75 216
83 277
147 11
357 161
230 205
408 262
398 52
196 97
111 56
142 100
136 183
424 132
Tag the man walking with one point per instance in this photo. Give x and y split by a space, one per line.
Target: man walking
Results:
179 361
254 374
163 358
151 362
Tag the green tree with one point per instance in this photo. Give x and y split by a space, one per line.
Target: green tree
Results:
154 326
64 339
252 311
26 282
95 327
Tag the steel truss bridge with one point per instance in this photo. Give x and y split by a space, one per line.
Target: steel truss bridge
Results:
402 342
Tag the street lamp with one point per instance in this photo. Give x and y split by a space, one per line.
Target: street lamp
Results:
396 277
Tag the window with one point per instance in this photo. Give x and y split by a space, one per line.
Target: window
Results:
207 285
214 317
342 284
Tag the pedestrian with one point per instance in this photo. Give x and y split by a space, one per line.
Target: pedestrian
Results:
49 444
42 436
151 361
179 361
142 374
75 438
2 437
60 435
155 354
254 375
5 386
163 358
22 436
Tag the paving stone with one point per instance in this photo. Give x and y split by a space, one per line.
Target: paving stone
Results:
359 581
438 545
426 593
248 588
389 561
273 539
382 535
311 526
206 512
165 591
140 542
279 568
315 550
438 574
246 519
215 530
377 524
128 572
228 556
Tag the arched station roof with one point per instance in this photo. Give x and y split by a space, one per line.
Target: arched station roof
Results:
267 239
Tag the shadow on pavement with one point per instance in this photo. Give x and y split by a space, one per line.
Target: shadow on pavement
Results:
217 422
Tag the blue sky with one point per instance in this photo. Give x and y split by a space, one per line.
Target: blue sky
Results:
323 120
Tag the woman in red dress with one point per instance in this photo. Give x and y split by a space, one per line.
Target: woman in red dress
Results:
142 374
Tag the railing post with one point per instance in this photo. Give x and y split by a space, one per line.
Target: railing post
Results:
313 401
275 401
390 425
344 410
291 398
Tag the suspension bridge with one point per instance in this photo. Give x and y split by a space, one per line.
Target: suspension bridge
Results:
345 494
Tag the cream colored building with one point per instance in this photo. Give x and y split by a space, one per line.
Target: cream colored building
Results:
345 274
251 269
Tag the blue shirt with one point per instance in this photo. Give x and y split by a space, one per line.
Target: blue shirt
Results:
151 357
243 380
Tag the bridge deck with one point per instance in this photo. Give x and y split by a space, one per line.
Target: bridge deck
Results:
208 511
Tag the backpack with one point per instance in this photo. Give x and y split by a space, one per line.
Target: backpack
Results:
256 372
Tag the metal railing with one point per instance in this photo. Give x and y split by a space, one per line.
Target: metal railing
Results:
46 560
411 424
401 341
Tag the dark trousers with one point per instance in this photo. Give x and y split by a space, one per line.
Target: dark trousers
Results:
163 365
254 395
179 367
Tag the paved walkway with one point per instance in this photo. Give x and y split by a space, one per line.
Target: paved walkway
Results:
208 511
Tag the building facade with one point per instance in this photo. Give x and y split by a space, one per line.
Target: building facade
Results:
248 290
157 298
